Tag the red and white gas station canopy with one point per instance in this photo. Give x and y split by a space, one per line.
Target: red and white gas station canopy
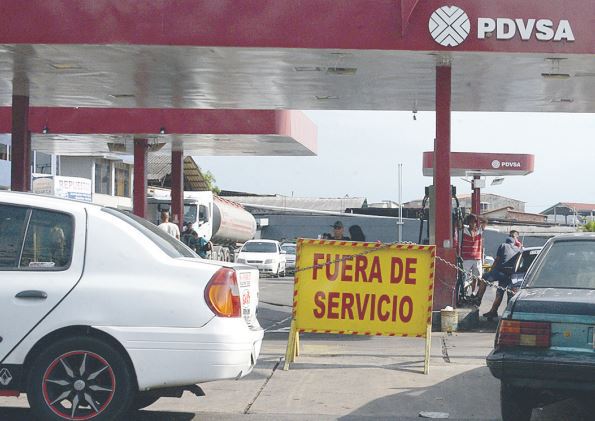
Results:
463 164
97 131
506 55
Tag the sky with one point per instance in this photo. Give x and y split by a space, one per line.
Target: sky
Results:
359 152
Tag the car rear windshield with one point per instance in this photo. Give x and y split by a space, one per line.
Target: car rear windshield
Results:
526 260
289 248
259 247
164 241
567 264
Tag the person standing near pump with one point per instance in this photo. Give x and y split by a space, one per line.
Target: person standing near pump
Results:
472 250
356 233
338 230
499 272
170 228
517 242
202 245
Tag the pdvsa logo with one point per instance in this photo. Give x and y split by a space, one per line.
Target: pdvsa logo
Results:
449 26
505 164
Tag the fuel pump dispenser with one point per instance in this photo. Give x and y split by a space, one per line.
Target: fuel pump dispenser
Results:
427 221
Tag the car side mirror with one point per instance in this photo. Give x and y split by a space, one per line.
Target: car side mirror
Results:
283 252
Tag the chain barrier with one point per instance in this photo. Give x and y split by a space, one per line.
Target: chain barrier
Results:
381 246
472 276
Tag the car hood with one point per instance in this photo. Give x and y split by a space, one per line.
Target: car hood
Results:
555 301
257 256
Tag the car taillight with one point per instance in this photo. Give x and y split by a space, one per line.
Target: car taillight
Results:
223 295
521 333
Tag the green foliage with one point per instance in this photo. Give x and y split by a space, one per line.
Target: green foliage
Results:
210 180
589 226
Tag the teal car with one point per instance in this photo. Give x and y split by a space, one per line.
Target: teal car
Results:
544 349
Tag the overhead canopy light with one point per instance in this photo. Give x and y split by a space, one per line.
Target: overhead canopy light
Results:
555 72
307 69
65 66
116 147
348 71
122 96
498 180
556 75
154 147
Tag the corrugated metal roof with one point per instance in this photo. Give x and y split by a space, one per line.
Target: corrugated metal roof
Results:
320 204
568 208
158 166
159 172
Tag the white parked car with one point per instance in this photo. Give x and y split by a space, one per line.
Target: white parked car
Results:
289 249
100 311
266 255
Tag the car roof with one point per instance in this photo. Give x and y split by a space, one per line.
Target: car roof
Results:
262 241
577 236
44 201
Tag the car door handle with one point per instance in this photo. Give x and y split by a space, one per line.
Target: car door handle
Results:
41 295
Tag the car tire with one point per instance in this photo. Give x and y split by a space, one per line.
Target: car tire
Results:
80 378
514 403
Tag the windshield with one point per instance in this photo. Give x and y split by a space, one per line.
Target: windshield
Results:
289 248
164 241
259 247
567 264
189 214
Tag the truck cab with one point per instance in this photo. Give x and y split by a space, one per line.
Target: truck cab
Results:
220 221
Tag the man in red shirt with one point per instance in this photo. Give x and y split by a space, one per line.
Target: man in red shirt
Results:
517 243
472 249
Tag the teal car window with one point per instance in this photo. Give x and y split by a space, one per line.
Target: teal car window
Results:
567 264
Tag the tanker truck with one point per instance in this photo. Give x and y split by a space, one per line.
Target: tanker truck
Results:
222 222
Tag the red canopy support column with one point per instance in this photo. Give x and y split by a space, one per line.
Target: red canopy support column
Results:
177 187
445 275
20 171
139 199
475 198
442 158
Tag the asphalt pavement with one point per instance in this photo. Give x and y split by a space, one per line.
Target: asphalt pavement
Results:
346 378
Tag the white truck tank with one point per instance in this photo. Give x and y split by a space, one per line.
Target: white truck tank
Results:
231 222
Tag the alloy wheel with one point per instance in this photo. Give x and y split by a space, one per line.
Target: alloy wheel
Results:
78 385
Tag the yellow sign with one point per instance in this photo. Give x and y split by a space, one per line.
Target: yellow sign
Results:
362 289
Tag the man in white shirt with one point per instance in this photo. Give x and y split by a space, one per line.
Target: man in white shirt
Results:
168 227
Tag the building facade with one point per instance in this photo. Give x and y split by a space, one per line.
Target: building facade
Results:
110 175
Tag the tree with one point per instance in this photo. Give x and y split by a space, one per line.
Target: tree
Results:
589 226
210 180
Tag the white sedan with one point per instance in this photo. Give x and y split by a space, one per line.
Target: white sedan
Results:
100 311
266 255
289 249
